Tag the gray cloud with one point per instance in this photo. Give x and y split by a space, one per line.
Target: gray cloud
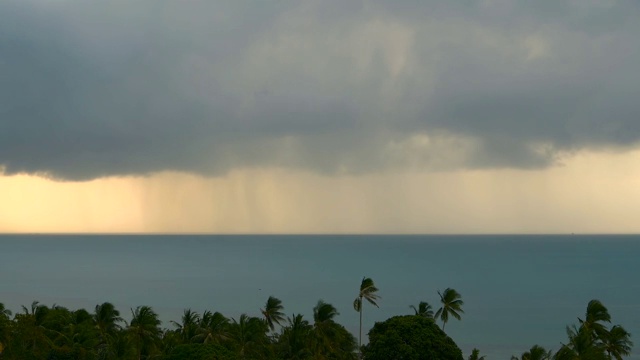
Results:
112 88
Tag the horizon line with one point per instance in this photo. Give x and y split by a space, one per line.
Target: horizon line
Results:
314 234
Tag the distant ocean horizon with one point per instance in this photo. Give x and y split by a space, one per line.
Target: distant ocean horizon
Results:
519 290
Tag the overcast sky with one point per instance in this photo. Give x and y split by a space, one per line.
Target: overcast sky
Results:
320 115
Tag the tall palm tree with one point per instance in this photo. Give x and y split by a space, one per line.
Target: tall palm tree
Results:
367 292
424 309
617 343
145 328
272 312
451 305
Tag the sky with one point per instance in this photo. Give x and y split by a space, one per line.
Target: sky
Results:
320 116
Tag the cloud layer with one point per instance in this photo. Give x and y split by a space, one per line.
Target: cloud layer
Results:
89 90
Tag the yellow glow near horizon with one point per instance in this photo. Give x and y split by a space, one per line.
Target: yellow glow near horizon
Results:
590 193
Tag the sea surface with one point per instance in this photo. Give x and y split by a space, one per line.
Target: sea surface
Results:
518 290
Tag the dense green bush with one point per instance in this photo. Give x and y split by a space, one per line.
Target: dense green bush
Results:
201 352
410 338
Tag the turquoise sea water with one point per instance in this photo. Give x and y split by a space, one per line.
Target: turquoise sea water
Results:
518 290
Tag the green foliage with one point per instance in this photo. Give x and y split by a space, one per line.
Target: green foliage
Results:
368 291
536 352
410 338
617 342
592 340
5 323
201 352
451 305
248 337
424 309
581 346
324 312
330 340
595 317
40 332
295 338
28 339
67 353
107 322
272 312
188 327
145 331
475 355
213 327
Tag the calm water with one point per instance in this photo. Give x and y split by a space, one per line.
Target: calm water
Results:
518 290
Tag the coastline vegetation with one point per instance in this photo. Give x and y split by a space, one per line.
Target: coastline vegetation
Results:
41 332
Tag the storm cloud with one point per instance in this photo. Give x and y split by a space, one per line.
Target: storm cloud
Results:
95 89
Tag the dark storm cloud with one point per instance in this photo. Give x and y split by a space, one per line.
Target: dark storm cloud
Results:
112 88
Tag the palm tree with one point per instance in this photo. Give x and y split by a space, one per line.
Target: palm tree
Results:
33 338
581 346
189 325
272 312
475 355
330 339
212 327
145 328
424 309
248 335
122 346
4 312
170 340
35 305
73 330
324 312
596 315
367 292
106 319
536 352
295 339
617 343
5 315
451 305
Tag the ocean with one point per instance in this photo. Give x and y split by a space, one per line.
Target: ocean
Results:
518 290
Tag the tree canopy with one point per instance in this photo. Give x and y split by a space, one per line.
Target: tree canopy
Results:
410 337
